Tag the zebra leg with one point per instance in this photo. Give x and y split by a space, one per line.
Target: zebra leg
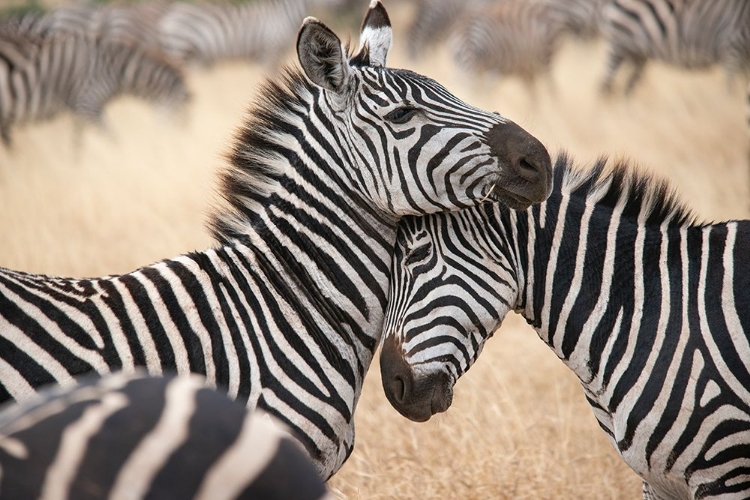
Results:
5 134
635 76
615 60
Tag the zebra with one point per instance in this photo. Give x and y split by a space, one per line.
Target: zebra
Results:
514 37
43 76
182 32
636 296
204 33
134 436
507 37
686 33
286 311
434 20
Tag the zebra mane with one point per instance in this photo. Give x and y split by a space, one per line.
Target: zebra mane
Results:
639 194
260 153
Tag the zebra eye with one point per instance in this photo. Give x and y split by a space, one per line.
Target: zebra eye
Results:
418 254
402 114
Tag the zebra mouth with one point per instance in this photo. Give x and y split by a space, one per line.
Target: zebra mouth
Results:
510 199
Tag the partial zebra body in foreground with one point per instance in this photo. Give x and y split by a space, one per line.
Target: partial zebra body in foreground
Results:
43 76
687 33
647 307
134 436
286 314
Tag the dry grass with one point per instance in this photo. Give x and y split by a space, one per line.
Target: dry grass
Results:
519 427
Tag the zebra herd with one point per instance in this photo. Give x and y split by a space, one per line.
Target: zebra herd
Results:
78 57
521 37
366 201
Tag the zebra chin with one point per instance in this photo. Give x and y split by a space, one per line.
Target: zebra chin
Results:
415 396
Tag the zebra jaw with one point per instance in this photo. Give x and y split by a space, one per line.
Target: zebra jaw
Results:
416 396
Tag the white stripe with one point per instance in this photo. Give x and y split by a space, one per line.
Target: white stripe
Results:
136 475
75 438
248 456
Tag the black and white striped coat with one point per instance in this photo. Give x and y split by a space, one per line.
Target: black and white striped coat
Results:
646 306
185 33
41 76
685 33
286 314
134 436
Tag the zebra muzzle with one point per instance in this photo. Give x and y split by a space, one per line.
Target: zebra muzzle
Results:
417 397
526 167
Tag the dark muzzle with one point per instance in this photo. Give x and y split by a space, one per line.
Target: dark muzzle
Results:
527 169
416 398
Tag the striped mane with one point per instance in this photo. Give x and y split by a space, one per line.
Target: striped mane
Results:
260 152
645 195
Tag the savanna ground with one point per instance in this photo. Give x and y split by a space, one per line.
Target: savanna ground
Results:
519 426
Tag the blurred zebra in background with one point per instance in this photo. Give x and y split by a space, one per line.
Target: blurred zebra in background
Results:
511 37
134 436
185 33
134 24
515 37
688 33
40 76
204 33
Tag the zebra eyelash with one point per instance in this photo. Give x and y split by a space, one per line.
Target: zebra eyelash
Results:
402 114
418 254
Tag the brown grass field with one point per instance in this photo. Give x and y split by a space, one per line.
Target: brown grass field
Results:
519 426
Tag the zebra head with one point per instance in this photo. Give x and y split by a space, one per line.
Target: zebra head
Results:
410 146
451 287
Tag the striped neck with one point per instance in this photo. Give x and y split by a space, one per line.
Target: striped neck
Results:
295 207
597 276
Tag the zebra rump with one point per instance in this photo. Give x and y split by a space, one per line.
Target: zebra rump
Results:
136 436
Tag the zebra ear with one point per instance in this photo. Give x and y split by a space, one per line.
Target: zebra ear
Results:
322 55
376 36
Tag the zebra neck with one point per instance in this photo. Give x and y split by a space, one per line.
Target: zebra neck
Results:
594 279
335 261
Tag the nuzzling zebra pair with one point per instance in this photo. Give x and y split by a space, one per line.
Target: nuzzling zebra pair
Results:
41 76
286 312
646 306
133 436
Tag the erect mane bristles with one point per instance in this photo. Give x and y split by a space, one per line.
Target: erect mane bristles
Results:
641 194
257 159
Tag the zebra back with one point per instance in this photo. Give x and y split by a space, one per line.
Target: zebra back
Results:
136 436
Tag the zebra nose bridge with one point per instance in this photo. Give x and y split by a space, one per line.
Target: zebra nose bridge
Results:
522 152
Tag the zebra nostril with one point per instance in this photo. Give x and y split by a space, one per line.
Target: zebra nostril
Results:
525 167
399 389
